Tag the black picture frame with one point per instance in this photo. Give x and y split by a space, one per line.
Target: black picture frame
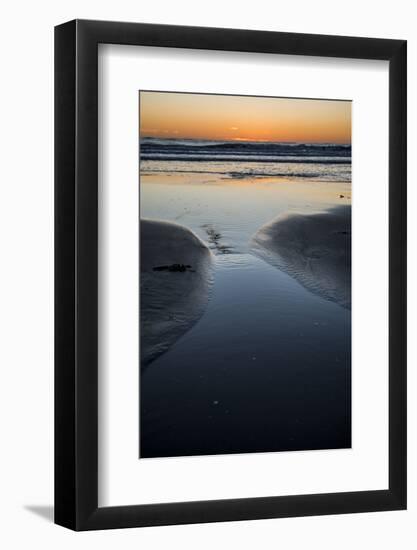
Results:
76 272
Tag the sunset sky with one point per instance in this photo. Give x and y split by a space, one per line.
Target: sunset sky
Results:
177 115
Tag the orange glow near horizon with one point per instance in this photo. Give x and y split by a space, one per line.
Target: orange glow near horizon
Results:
244 118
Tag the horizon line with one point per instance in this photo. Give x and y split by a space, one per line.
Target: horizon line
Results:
246 140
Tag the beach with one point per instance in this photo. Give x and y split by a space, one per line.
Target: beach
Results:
245 298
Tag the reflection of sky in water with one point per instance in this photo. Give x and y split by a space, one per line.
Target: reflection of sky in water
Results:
236 208
267 367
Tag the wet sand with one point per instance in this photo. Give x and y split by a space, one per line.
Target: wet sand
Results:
315 249
175 281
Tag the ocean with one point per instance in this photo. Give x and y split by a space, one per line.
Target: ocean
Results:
239 159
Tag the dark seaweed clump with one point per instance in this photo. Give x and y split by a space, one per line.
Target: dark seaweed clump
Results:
174 268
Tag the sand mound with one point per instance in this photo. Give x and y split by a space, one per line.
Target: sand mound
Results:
175 278
315 249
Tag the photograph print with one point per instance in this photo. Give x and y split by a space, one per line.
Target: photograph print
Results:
245 274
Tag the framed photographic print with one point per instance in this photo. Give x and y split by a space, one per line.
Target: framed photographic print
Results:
230 275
